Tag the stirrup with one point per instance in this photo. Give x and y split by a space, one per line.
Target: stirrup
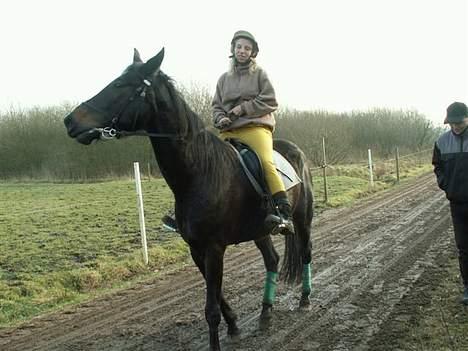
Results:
169 223
279 225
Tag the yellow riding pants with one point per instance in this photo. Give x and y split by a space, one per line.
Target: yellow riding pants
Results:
261 140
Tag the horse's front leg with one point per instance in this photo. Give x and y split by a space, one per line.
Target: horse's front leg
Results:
230 318
271 259
228 314
214 277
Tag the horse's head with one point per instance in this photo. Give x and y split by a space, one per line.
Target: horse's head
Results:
118 106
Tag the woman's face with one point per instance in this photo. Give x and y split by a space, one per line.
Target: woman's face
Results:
243 50
458 128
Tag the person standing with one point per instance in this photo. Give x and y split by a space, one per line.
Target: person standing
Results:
450 160
243 108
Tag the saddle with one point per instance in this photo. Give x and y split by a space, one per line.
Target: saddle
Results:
254 171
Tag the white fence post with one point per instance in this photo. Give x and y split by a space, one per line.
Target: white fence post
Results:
141 211
397 160
371 174
325 185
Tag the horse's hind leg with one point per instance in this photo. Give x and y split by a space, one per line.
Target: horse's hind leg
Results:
303 225
306 275
271 259
228 314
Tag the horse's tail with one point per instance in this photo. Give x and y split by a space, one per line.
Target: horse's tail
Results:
298 247
291 269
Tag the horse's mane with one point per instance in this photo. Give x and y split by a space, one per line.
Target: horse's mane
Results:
205 151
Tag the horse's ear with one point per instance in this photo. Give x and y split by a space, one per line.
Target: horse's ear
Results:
153 64
136 56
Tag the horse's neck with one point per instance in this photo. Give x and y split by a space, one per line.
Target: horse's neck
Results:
190 160
174 155
173 166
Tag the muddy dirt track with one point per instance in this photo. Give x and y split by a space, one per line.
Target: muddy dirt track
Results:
372 264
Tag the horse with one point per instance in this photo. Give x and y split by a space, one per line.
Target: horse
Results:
215 205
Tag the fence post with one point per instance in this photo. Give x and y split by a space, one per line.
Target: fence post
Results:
141 211
324 166
371 174
397 160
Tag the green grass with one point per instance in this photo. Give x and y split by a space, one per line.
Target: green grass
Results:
60 242
64 243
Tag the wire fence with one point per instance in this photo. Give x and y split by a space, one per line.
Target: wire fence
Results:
388 170
395 164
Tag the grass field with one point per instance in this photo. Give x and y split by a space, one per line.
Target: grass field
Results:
63 243
60 242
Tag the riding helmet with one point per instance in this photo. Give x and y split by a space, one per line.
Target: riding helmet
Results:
246 35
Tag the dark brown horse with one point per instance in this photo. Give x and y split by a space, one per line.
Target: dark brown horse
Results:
215 204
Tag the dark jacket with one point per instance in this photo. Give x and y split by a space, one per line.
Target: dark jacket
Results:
450 160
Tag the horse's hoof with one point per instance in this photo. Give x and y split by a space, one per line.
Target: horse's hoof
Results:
234 339
264 323
304 303
265 317
233 332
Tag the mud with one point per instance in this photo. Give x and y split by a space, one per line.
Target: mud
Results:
373 265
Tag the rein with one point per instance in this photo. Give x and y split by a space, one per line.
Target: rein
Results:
112 132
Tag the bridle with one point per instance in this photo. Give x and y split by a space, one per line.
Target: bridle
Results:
113 131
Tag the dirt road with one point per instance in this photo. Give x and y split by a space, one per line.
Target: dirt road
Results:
373 264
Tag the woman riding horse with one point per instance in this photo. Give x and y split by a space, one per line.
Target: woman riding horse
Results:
215 204
243 108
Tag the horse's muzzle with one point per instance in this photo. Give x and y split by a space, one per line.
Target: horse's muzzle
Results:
75 131
68 122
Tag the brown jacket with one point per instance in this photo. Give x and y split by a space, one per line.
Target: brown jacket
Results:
252 90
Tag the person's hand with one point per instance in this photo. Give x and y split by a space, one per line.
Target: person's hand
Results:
236 111
223 123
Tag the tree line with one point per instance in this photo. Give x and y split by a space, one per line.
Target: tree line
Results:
34 144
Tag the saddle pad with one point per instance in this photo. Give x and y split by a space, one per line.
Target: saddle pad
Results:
286 171
251 161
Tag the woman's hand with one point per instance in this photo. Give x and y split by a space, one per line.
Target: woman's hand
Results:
223 123
236 111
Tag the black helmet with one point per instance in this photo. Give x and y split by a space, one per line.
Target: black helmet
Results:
246 35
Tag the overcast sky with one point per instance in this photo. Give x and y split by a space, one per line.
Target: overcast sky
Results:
336 55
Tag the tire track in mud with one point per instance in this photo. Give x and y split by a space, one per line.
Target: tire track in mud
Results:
406 220
371 204
364 302
168 315
353 283
410 217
